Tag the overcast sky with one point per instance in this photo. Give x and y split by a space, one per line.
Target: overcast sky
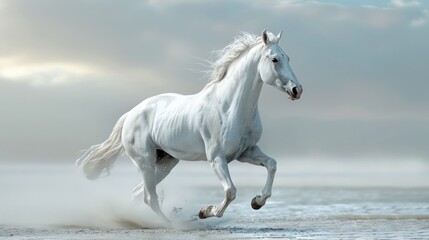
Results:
70 69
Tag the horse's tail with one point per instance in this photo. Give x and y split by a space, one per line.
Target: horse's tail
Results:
101 157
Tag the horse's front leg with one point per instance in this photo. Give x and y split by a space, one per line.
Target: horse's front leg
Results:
220 166
255 156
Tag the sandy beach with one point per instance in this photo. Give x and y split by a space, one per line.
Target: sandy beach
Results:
57 202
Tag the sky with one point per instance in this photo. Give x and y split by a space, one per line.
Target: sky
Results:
70 69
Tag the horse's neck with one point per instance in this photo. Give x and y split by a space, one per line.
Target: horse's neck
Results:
241 88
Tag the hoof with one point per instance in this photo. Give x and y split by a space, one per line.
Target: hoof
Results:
255 205
201 215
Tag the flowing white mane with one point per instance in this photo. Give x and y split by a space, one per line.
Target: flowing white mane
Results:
241 45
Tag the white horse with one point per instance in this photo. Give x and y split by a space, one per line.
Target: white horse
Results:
219 124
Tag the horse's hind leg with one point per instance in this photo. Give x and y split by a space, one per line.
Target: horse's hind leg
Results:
164 165
151 197
144 156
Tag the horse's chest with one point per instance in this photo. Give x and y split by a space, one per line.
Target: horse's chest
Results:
237 139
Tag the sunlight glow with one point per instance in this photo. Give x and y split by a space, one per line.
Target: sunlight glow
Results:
45 73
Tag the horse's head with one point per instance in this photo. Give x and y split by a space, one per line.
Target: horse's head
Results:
274 67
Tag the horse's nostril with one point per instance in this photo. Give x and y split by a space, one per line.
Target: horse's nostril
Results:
295 91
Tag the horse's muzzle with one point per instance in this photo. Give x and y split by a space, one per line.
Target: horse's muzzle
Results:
295 92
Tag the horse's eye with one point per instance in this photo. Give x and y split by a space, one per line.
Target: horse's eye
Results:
275 60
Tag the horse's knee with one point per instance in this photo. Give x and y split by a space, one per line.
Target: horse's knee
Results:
231 193
271 165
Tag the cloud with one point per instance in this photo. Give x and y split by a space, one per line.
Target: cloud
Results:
45 73
402 3
421 21
73 67
394 14
172 3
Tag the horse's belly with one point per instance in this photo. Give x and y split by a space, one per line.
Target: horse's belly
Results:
180 140
188 155
185 147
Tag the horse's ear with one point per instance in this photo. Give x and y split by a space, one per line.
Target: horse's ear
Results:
265 37
279 35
